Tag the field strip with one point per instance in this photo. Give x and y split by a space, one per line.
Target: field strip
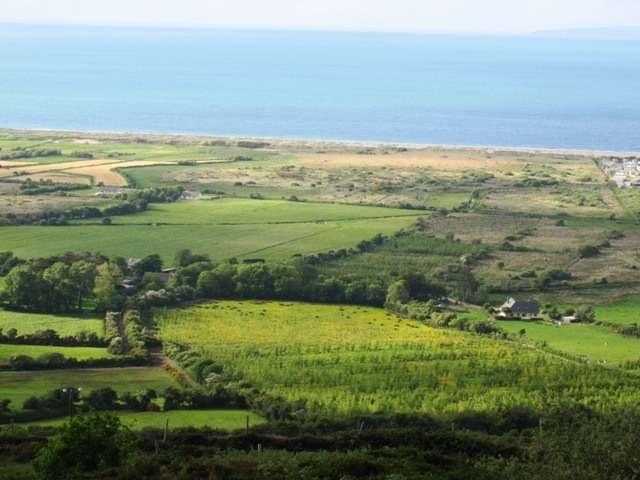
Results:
290 241
124 164
106 173
54 167
58 177
13 163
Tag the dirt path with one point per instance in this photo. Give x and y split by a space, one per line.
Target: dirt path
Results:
161 360
122 334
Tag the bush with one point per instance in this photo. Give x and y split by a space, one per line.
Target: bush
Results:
87 444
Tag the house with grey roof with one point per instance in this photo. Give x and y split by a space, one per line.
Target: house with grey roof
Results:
519 308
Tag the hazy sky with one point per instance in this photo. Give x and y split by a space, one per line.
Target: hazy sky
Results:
450 16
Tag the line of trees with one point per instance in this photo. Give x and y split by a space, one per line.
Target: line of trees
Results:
51 337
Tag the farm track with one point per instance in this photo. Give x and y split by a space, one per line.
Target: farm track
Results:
290 241
122 334
161 360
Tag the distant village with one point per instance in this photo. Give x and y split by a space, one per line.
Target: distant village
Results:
624 171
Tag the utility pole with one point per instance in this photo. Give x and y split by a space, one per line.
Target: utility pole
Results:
70 391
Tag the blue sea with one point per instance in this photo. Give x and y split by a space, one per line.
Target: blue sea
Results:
523 91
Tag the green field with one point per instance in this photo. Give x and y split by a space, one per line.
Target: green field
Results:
343 360
237 211
585 341
79 353
64 324
18 386
623 311
223 228
216 419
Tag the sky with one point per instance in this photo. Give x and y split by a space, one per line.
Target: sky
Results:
423 16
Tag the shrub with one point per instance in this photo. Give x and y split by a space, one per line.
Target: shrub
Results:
87 444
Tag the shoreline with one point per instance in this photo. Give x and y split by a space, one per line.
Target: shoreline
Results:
310 142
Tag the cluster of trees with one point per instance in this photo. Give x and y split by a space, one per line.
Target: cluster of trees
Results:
154 195
431 314
293 280
62 283
58 287
22 152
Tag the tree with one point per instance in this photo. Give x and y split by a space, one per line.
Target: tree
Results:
397 293
107 297
58 287
188 275
83 276
254 281
184 258
86 444
586 314
287 281
466 286
150 263
22 287
586 251
217 283
101 398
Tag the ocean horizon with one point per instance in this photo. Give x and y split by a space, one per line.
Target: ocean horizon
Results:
453 90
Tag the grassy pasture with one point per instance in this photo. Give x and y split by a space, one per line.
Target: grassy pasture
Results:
234 211
585 341
18 386
217 419
64 324
626 311
222 228
344 360
21 204
542 201
34 351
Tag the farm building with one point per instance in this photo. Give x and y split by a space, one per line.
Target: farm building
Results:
518 308
191 195
132 261
104 191
164 277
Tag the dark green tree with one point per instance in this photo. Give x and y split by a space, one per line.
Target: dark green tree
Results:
59 291
83 278
22 288
86 444
466 286
108 277
397 293
101 398
150 263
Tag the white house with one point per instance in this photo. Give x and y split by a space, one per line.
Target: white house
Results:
191 195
